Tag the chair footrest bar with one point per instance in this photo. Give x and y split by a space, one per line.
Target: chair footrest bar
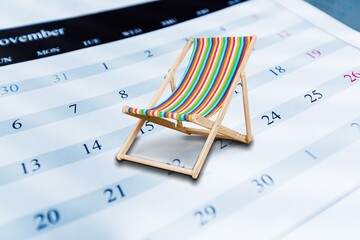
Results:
223 132
153 163
205 132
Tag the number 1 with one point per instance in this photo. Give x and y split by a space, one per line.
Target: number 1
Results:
73 105
312 155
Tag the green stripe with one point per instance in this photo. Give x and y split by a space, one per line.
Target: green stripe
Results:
213 74
218 97
234 65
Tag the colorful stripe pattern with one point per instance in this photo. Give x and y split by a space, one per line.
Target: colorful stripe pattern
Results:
202 90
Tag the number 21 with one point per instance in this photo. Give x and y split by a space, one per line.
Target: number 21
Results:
113 195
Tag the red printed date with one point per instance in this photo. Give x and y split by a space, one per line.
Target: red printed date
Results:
353 76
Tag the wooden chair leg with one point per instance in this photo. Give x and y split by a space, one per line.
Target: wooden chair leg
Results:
204 152
129 141
173 87
246 107
215 126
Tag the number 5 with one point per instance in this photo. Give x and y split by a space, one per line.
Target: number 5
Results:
73 105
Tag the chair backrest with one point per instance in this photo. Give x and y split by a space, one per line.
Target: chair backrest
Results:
212 67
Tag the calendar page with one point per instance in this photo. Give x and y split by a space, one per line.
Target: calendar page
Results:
66 71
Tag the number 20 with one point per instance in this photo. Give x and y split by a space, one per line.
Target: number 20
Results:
51 217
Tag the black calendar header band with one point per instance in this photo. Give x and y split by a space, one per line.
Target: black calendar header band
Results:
51 38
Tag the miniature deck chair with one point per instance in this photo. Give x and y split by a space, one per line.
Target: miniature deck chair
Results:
215 68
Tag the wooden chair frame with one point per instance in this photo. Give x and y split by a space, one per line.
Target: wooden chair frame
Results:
213 130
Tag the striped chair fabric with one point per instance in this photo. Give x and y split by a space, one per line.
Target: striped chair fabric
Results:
202 90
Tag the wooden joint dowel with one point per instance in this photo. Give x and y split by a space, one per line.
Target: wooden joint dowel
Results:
223 132
179 124
125 109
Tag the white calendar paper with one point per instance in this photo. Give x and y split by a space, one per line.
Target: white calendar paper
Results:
61 126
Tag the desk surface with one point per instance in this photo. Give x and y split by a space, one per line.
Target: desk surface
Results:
345 11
